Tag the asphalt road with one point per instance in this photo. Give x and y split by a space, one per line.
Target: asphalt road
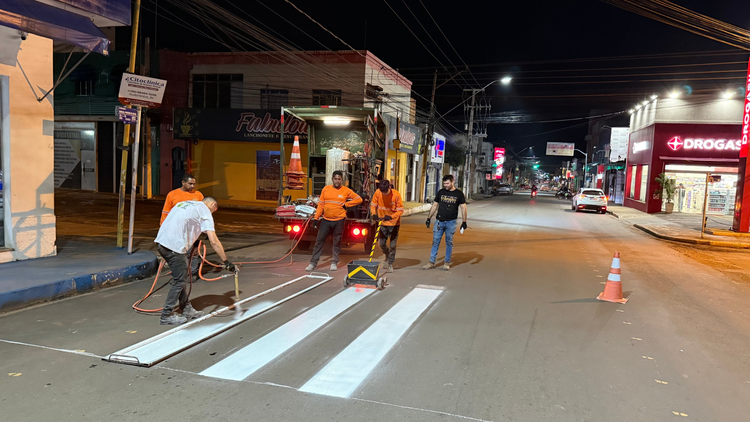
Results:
513 334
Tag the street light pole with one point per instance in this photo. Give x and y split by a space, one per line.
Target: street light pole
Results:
585 164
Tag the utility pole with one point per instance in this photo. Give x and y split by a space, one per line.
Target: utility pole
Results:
126 133
430 130
469 165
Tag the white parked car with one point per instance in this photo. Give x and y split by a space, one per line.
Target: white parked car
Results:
590 199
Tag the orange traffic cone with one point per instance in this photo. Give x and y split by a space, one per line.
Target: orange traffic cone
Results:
295 173
613 289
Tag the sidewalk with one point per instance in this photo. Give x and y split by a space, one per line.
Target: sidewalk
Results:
684 228
78 267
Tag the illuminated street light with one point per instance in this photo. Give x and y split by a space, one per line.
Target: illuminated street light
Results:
506 80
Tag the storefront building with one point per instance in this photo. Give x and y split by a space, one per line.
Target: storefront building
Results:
29 31
688 140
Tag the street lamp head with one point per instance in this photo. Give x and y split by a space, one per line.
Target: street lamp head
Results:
506 80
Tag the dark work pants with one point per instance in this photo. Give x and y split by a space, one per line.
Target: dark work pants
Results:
326 227
177 295
385 232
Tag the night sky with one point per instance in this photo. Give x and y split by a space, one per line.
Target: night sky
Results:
567 57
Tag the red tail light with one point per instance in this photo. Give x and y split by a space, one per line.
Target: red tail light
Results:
356 232
296 228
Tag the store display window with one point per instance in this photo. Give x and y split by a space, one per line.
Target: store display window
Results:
691 187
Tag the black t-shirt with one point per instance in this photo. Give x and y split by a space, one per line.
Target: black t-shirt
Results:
448 202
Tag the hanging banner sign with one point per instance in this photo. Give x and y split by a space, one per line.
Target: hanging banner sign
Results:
141 90
559 148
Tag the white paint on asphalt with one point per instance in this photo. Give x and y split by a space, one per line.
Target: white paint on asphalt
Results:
54 349
347 370
256 355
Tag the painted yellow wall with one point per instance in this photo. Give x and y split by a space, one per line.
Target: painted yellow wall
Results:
28 145
227 170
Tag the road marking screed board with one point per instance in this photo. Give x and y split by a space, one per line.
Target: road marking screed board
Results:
346 371
256 355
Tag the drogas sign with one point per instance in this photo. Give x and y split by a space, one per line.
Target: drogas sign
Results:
704 144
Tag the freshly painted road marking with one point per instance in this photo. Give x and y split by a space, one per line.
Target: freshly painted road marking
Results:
662 382
679 414
346 371
256 355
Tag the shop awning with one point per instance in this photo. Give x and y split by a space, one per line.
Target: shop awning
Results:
50 22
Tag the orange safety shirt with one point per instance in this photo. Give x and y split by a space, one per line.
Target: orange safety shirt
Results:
390 204
175 197
332 200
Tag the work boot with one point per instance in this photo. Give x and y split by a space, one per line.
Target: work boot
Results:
447 266
429 266
390 268
309 268
334 267
173 320
190 313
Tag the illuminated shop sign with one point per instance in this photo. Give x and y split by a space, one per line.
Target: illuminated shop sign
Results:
705 144
641 146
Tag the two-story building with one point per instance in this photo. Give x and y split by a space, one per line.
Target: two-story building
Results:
220 112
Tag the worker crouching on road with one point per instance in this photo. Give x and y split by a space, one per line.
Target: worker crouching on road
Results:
332 207
182 227
387 206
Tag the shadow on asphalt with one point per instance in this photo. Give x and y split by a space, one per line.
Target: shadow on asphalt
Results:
216 301
405 262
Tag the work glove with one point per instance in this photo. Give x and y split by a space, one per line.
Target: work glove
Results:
464 226
229 266
427 223
387 218
315 224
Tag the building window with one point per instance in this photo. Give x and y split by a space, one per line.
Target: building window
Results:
217 91
323 97
644 182
631 191
85 88
273 98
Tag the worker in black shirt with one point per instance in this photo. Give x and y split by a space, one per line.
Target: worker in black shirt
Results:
447 202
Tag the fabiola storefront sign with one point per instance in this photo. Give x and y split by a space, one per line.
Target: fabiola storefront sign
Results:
258 125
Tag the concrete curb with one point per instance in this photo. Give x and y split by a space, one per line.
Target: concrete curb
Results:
707 242
417 210
21 298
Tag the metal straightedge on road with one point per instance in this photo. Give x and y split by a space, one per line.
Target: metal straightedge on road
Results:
162 346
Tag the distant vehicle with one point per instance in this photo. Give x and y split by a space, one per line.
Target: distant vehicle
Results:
505 189
590 199
545 188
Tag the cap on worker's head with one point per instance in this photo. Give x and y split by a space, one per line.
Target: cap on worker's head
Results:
385 185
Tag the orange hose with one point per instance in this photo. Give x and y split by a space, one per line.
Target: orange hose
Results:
202 253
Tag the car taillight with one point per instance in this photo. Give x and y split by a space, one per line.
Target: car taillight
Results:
356 232
583 196
288 229
606 198
296 228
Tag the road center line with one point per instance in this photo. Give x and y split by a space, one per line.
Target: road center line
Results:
256 355
346 371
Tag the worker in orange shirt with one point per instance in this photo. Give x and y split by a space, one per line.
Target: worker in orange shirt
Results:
185 193
332 207
387 206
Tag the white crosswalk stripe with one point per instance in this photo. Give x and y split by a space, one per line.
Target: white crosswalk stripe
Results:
249 359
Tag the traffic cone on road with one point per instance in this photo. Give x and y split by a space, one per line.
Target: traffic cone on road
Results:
295 173
613 289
